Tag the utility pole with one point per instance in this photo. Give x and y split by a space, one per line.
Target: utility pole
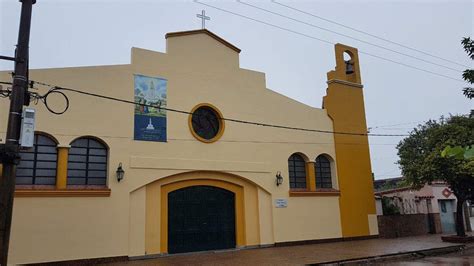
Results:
9 152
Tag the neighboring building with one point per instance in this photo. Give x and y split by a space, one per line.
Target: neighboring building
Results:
191 182
434 205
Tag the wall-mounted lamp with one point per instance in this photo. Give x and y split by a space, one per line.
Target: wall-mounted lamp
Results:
120 172
279 179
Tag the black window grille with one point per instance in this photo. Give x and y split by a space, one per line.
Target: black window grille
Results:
323 172
38 164
87 162
297 171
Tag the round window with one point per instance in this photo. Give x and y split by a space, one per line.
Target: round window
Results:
206 123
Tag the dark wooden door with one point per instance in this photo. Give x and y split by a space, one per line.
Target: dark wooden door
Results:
200 218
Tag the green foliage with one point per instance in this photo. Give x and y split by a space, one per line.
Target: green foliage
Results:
468 45
388 207
426 155
468 74
458 152
421 160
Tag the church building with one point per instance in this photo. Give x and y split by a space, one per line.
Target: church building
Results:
189 167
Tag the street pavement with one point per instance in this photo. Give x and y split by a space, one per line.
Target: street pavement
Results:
465 257
304 254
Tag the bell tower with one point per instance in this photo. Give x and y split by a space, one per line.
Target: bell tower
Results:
344 102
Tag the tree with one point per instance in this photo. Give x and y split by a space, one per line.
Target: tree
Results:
388 208
468 74
421 160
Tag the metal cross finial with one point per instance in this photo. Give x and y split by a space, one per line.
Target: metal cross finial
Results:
203 17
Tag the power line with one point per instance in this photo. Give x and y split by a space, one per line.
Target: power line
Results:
348 36
368 34
58 89
392 128
292 142
325 41
236 141
394 125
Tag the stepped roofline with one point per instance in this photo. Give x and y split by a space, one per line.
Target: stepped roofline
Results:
203 31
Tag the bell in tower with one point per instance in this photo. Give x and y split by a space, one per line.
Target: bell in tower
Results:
349 67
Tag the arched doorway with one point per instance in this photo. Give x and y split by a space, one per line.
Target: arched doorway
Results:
201 218
252 208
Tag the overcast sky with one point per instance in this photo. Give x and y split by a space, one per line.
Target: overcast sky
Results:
81 33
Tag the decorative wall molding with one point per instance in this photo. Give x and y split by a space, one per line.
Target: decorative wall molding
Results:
138 162
345 83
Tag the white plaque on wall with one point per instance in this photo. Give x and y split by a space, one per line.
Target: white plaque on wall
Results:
281 203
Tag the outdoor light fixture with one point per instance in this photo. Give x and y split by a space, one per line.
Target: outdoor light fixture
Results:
279 179
349 67
120 172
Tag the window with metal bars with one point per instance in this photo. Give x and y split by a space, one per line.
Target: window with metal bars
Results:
38 164
323 172
297 172
87 162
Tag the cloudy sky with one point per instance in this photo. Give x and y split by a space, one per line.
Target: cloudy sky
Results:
397 97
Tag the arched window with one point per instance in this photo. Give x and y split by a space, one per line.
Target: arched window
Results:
87 162
297 171
323 172
38 164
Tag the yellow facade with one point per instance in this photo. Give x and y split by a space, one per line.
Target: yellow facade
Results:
129 218
345 105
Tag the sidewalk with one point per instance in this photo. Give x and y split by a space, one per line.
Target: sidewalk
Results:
304 254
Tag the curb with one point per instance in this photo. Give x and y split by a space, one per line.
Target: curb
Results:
397 256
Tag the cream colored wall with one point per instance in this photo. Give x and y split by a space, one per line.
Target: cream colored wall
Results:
307 219
50 229
137 222
373 224
62 226
185 54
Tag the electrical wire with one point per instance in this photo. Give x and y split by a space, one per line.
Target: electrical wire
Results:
292 142
394 125
61 89
237 141
326 41
44 99
5 93
368 34
391 128
348 36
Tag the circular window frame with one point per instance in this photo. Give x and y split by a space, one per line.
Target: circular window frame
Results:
221 123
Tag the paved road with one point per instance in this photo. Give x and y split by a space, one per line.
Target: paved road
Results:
459 258
303 254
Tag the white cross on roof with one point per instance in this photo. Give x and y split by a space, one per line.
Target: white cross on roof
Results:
203 17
